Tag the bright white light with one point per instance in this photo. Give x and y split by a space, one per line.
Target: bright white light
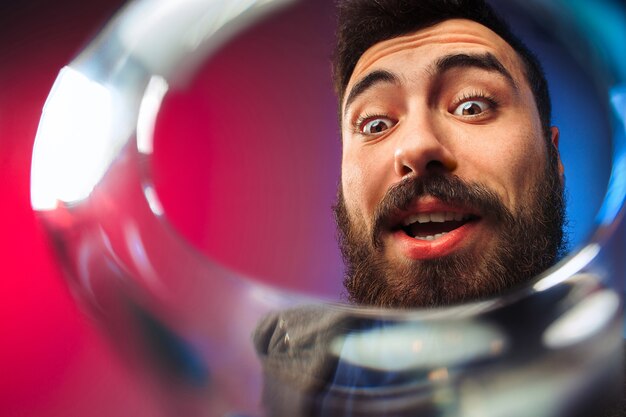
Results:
583 320
72 149
570 268
161 33
146 119
153 200
412 345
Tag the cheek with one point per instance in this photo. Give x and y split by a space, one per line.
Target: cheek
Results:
509 164
527 165
350 187
354 189
362 181
350 182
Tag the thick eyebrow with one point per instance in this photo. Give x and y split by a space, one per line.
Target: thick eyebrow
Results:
369 81
486 62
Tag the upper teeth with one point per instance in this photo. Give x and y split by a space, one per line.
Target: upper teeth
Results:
438 217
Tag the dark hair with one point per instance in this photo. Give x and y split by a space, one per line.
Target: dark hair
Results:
363 23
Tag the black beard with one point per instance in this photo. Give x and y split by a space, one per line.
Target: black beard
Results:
528 242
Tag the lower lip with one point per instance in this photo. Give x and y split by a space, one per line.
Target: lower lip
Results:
419 249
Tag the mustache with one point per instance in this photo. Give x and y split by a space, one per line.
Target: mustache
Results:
449 189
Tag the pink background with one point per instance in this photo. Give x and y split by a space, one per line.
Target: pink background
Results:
53 361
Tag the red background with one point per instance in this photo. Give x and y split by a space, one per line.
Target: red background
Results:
53 361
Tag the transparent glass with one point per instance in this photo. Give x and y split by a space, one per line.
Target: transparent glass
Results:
217 342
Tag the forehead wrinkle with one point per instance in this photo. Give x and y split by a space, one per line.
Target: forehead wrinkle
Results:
391 46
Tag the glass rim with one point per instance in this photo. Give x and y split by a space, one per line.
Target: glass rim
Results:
120 47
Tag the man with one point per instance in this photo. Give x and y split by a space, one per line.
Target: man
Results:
452 186
451 190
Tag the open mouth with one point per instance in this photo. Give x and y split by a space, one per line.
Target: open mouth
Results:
431 226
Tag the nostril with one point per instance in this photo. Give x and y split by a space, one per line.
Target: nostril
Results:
405 170
418 161
435 166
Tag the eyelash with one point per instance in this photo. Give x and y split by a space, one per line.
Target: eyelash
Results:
364 118
476 95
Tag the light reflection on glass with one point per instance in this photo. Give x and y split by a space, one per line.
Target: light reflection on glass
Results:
148 110
66 166
407 346
583 320
230 344
575 264
153 200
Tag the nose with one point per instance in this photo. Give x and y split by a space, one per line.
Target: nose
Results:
420 151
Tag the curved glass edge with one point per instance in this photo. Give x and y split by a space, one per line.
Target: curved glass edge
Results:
115 90
116 87
98 94
616 192
592 32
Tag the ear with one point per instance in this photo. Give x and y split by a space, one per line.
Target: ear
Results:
554 136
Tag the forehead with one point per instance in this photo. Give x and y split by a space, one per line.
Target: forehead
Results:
426 45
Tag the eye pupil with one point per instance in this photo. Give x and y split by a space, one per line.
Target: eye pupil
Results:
470 109
377 126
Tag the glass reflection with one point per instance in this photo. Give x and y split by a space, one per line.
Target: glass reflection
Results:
219 342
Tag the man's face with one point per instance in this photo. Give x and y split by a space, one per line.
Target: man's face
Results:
447 192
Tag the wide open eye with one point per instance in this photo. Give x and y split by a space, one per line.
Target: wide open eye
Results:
376 125
472 108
